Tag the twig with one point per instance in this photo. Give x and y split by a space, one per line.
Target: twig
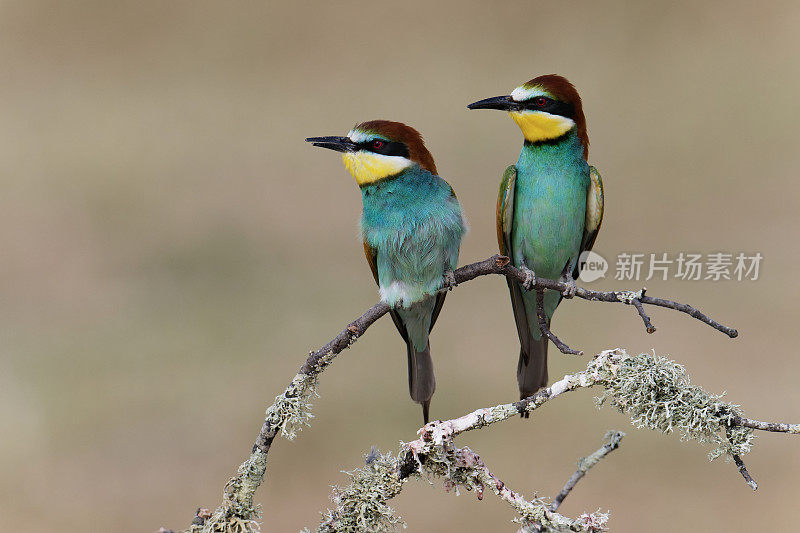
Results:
646 319
503 267
613 438
546 329
776 427
527 509
743 471
740 465
692 312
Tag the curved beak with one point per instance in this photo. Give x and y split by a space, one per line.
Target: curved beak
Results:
503 103
340 144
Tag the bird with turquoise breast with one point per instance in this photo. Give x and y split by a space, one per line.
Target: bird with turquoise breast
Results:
549 209
411 225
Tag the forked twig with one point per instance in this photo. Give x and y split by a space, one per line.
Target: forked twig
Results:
563 348
613 439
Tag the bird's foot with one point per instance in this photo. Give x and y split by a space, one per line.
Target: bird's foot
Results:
449 282
530 278
572 287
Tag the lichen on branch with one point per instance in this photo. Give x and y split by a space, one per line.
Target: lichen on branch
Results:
657 394
291 410
632 384
654 391
361 506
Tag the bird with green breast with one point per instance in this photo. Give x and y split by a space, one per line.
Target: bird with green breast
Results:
411 225
549 209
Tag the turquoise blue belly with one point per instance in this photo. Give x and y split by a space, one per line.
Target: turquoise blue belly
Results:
549 215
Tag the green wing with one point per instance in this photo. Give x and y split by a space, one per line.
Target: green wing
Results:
505 227
594 214
505 210
594 209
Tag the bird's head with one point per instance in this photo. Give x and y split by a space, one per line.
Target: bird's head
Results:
544 108
379 149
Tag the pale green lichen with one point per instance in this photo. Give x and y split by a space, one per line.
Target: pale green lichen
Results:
658 394
456 466
627 297
595 522
461 468
292 409
237 514
361 506
232 525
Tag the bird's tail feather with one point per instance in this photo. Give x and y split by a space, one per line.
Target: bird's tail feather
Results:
532 368
421 381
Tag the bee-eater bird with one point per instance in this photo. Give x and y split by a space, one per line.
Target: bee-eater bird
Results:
411 225
549 209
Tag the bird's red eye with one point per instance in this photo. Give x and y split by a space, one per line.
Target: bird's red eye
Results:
541 101
377 144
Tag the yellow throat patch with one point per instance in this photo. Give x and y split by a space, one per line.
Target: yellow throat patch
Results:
368 167
539 126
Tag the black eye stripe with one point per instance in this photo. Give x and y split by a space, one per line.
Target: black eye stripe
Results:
387 148
554 107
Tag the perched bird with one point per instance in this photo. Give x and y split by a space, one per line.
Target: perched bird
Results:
549 209
412 227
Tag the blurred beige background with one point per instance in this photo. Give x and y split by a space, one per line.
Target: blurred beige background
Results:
171 249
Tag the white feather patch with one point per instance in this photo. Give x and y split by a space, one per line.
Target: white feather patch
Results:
359 136
521 93
397 291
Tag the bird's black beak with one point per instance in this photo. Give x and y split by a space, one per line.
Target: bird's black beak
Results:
503 103
340 144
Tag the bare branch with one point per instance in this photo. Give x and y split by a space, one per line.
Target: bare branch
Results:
563 348
646 319
692 312
740 464
743 471
776 427
613 439
499 264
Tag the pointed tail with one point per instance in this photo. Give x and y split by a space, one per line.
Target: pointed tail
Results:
421 381
532 368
